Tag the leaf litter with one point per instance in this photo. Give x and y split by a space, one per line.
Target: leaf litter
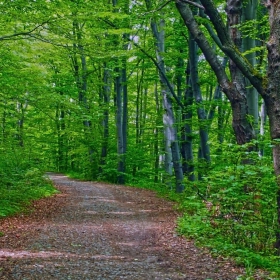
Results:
103 231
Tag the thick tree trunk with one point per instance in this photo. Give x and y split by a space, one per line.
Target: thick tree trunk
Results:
172 146
272 94
168 129
242 126
273 111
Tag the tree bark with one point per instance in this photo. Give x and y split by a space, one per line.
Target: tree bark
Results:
156 136
121 102
21 108
203 133
249 12
241 126
172 150
272 93
104 100
227 45
80 70
186 132
119 125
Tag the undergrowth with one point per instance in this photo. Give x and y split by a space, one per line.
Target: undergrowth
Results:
77 175
20 183
237 216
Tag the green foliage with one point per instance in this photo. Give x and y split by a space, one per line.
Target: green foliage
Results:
20 183
238 216
256 28
76 175
53 85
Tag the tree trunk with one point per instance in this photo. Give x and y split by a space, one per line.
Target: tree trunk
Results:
244 132
4 122
203 133
186 132
105 99
80 70
140 119
241 125
272 94
61 141
21 108
121 103
156 138
249 12
119 125
263 117
172 151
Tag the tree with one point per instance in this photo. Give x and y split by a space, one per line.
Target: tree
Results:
172 151
249 13
267 85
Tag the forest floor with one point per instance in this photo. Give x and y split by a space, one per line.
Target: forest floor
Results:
101 231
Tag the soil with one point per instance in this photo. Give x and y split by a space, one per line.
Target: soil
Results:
101 231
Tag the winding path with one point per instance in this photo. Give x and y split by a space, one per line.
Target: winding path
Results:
100 231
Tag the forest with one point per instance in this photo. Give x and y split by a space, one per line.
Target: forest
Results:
178 96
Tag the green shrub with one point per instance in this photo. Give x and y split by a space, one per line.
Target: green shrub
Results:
238 216
20 183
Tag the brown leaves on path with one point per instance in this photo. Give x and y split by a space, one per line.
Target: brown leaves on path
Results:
101 231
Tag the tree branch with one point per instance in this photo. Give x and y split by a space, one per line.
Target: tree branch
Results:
7 37
192 3
158 9
228 46
162 73
211 31
204 45
42 39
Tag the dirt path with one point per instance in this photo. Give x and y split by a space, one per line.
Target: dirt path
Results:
99 231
